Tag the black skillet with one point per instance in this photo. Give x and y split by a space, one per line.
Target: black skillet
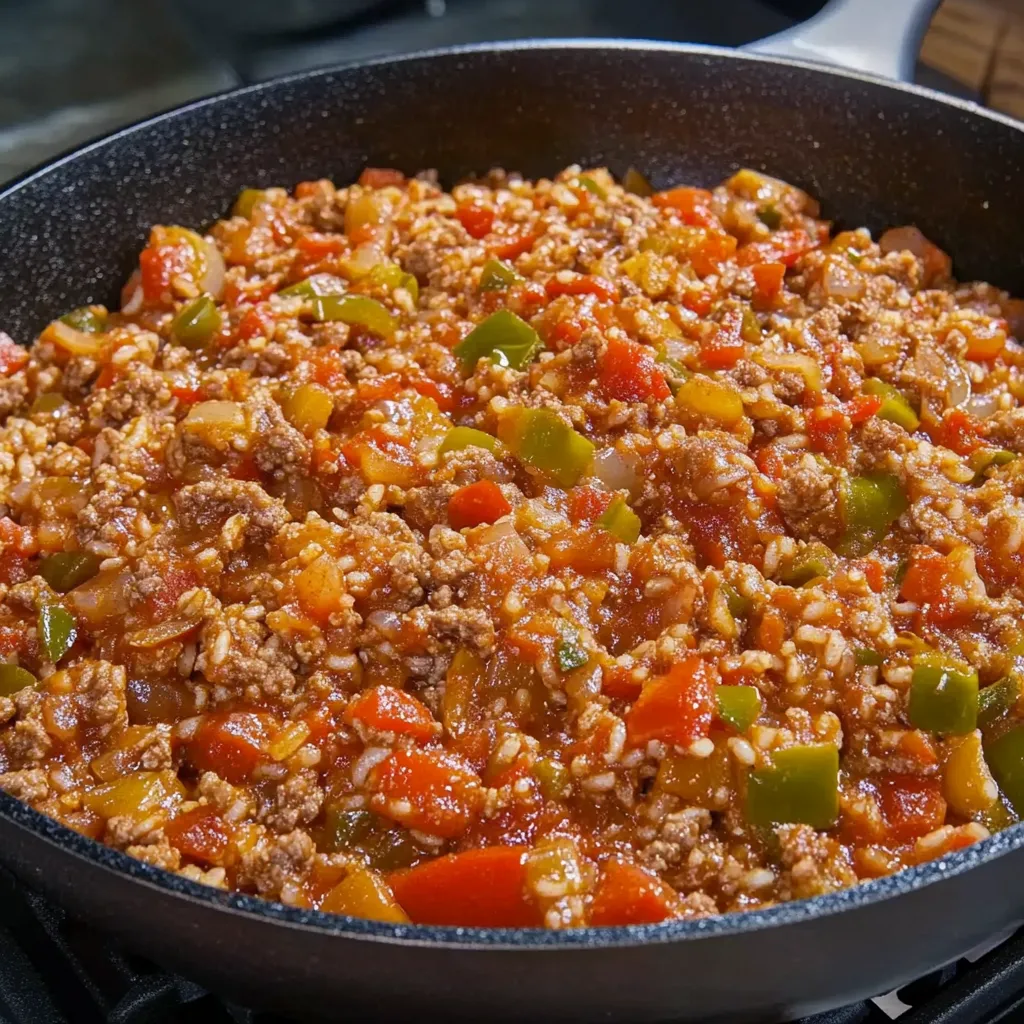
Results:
877 154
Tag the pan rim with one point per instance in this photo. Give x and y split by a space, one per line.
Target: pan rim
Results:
105 858
55 163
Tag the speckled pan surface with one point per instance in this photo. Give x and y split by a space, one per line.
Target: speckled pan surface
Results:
876 154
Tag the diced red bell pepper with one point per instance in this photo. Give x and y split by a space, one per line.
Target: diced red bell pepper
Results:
388 709
230 744
618 683
959 432
784 247
509 247
722 346
708 257
477 220
863 407
314 246
200 834
582 284
381 177
12 356
477 503
430 790
911 806
628 894
478 889
629 373
692 204
768 279
676 708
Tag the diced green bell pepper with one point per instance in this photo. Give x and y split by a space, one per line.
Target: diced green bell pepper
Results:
633 181
49 401
540 438
990 458
345 828
1005 759
997 700
801 787
56 631
571 653
311 287
895 407
553 777
392 276
196 323
869 505
813 562
770 217
497 274
468 437
592 186
508 340
865 656
943 699
621 521
356 311
738 705
68 569
14 678
739 605
85 319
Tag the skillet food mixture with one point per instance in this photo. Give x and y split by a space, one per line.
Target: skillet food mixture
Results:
534 554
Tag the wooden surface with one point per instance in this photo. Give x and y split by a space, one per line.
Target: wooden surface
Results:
980 44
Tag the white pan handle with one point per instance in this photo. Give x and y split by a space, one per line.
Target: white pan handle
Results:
880 37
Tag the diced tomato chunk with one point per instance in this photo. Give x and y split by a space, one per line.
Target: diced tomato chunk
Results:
230 744
388 709
708 257
784 247
200 834
692 204
582 284
959 432
381 177
722 346
314 246
430 790
328 367
675 708
911 805
618 683
12 356
863 407
477 503
768 279
828 432
587 503
257 322
478 888
629 373
477 220
937 585
628 894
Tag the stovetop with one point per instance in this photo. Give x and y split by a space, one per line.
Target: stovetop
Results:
74 69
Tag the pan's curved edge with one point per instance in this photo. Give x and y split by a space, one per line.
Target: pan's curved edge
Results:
107 859
31 175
